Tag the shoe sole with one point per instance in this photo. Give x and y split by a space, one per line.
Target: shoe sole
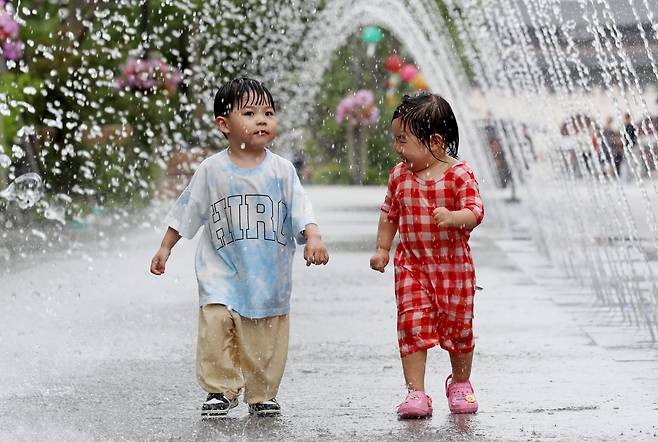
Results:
414 416
213 414
216 413
265 413
415 413
464 411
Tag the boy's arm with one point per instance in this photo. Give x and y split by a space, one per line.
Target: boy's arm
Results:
386 231
158 262
311 231
315 251
170 239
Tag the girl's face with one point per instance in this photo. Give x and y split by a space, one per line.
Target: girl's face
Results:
411 150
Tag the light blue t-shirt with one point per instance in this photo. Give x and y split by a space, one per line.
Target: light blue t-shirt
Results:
251 219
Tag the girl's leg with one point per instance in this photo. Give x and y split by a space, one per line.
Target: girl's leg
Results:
413 366
461 366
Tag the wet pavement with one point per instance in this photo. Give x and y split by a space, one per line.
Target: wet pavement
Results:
94 348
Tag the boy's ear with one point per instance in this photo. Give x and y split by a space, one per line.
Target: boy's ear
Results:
222 125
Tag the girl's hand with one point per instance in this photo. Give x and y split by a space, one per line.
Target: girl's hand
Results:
315 252
159 260
443 217
379 260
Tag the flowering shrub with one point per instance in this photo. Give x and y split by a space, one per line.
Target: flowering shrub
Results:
148 74
358 108
12 47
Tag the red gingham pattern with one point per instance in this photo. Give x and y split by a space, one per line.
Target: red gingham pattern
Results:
425 328
433 265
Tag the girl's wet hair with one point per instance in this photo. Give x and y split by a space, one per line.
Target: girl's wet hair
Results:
236 94
426 114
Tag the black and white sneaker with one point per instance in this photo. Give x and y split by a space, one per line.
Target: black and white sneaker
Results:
217 404
267 408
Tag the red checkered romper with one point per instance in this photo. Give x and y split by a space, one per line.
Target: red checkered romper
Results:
434 274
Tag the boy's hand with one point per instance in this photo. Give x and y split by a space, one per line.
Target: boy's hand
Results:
159 260
315 252
443 217
379 260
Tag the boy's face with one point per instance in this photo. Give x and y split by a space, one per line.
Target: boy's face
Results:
410 149
252 126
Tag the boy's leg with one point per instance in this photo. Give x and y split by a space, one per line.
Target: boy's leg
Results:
218 362
263 354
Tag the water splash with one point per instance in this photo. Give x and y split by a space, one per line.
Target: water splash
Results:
56 209
26 190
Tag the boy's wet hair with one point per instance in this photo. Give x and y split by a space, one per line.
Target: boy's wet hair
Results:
426 114
240 92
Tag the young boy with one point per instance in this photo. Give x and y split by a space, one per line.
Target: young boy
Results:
253 209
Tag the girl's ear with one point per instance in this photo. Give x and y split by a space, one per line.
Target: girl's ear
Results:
437 143
222 124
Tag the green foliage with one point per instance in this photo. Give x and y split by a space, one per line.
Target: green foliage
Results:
72 59
331 173
14 85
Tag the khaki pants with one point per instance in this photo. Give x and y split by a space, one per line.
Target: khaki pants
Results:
234 352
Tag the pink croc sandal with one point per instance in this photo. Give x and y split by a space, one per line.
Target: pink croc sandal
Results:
461 397
416 405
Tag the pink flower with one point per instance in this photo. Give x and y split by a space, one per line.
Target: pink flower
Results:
364 97
148 74
8 26
358 108
13 49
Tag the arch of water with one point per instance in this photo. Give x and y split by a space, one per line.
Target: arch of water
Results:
417 25
601 227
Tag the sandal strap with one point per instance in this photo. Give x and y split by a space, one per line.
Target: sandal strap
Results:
465 388
446 384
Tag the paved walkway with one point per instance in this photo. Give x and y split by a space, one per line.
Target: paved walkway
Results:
94 348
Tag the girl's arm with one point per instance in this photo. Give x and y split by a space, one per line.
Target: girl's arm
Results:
468 198
462 219
386 231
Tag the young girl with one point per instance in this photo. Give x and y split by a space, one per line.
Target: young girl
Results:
434 202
